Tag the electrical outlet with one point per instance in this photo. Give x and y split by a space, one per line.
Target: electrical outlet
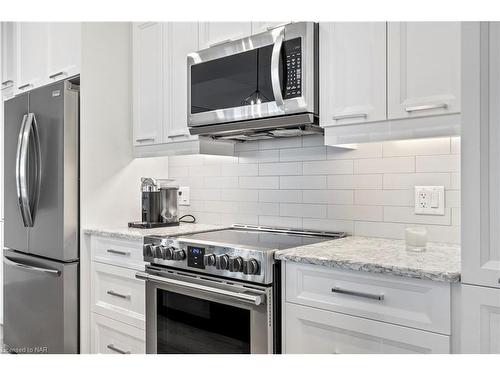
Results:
183 196
429 200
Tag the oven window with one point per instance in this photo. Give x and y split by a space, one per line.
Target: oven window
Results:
232 81
188 325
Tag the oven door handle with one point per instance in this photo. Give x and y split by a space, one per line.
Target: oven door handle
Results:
243 297
275 66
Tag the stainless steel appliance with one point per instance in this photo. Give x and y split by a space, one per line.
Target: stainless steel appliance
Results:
159 204
263 86
218 291
41 203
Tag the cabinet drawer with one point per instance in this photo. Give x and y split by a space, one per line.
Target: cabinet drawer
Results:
419 304
118 252
111 337
312 331
116 293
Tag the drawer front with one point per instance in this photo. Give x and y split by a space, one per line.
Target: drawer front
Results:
418 304
111 337
313 331
116 293
117 252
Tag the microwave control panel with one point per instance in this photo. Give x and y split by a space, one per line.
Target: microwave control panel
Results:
293 68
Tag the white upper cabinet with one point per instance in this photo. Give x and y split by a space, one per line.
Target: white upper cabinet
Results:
148 100
481 154
180 38
423 68
31 54
260 27
8 59
212 33
352 72
64 39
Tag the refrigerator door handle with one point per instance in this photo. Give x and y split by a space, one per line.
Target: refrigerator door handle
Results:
21 172
34 137
49 271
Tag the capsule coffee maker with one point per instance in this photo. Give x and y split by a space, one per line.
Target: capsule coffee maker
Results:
159 204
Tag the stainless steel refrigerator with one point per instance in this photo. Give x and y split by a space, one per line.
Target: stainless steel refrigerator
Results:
41 206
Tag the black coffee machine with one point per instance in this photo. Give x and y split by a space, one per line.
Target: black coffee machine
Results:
159 204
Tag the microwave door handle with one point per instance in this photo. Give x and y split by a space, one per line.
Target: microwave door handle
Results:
275 66
21 161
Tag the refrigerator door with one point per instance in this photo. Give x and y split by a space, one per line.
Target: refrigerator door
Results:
40 304
54 233
16 234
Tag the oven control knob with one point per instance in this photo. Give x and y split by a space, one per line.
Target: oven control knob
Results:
209 260
147 251
235 264
179 254
158 252
250 267
168 252
222 262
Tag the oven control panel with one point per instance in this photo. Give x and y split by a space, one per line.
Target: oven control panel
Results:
293 68
250 265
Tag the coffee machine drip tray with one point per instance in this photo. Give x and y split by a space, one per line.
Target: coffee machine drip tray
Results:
146 225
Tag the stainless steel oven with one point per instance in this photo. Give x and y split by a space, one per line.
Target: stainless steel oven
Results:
265 83
191 313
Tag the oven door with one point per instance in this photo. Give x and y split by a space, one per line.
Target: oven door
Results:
265 75
189 314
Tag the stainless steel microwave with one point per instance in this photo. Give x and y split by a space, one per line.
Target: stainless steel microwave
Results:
262 86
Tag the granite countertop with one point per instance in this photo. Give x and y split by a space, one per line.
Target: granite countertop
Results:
138 234
440 262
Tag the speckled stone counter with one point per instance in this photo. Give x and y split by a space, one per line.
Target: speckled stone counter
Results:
441 262
138 234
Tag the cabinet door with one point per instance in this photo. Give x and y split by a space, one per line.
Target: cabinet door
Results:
109 336
8 60
480 320
212 33
423 68
180 38
313 331
352 72
148 83
64 42
260 27
481 155
31 54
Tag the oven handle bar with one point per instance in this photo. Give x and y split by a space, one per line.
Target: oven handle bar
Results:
248 298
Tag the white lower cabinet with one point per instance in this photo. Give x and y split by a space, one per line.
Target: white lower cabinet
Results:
480 320
109 336
308 331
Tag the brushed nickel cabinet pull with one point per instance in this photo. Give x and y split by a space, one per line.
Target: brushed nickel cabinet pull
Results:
141 140
119 295
57 74
118 350
350 115
25 86
378 297
426 107
118 252
7 83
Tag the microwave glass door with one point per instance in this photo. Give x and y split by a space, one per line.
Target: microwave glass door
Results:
189 325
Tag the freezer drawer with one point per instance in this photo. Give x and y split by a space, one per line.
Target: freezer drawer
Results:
40 304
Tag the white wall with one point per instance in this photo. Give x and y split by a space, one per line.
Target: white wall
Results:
300 183
110 177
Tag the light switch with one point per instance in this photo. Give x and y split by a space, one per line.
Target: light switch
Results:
429 200
183 196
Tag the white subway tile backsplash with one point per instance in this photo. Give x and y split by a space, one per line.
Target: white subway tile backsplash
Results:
303 153
297 182
328 167
428 146
303 210
345 182
303 182
439 163
280 169
259 182
385 165
328 196
285 196
410 180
